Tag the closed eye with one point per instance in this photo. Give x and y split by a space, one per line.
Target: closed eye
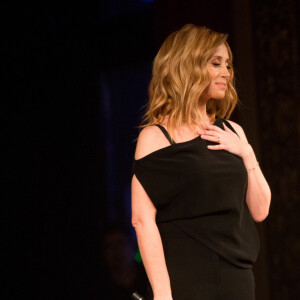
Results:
217 65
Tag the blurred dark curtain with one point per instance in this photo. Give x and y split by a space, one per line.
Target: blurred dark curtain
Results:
276 38
79 81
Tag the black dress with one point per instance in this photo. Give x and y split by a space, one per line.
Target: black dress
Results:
202 215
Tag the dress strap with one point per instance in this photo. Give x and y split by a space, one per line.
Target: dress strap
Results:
230 127
166 133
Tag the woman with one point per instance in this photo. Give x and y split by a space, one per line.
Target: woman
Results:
196 184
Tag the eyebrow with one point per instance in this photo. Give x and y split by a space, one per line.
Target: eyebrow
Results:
220 57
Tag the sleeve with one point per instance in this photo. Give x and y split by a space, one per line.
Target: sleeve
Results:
146 175
160 177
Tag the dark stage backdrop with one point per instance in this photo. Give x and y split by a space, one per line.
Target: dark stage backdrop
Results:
79 81
276 37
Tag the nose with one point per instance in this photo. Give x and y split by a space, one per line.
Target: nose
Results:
225 72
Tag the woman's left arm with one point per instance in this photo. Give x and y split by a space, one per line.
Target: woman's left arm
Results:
258 196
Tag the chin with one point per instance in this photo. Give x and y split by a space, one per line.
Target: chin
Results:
219 97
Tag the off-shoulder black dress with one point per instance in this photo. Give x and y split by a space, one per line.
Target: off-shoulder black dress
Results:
199 195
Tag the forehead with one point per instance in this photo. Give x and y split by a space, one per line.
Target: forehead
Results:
222 52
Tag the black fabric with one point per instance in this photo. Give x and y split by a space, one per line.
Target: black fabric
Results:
200 194
196 273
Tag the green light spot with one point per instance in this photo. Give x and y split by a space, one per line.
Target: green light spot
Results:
137 256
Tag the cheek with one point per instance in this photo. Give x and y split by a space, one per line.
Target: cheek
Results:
213 73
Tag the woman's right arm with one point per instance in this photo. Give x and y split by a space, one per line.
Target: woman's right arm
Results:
143 220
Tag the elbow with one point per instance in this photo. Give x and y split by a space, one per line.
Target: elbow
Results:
261 217
138 223
135 222
143 217
138 219
264 214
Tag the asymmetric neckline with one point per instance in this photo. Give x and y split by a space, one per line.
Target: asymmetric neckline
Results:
196 139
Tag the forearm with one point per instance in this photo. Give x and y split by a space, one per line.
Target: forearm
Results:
258 196
151 249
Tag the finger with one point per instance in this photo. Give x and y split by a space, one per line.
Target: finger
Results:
211 138
201 132
215 128
212 132
208 133
215 147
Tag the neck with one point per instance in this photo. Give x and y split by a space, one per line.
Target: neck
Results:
205 118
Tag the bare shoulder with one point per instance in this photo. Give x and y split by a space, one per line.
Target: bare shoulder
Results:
149 140
238 128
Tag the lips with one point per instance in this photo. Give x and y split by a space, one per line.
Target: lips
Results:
222 85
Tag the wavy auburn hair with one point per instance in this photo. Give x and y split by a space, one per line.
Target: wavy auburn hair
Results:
180 77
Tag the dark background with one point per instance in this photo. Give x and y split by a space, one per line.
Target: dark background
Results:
78 77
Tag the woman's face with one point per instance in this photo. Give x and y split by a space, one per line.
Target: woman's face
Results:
218 66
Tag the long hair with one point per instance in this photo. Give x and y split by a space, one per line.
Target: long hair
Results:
180 77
